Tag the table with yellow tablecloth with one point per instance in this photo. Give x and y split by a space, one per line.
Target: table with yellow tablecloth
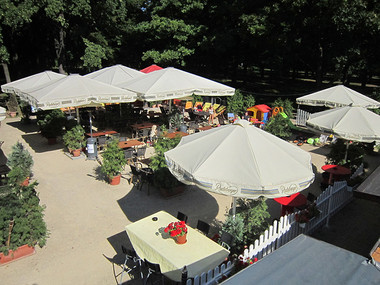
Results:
199 254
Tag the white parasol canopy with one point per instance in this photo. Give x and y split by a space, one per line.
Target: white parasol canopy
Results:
32 81
242 161
3 113
172 83
115 74
338 96
75 90
350 123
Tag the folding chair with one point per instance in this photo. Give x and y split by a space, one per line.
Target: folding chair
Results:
189 105
130 255
203 227
182 217
140 152
153 269
102 141
206 106
226 240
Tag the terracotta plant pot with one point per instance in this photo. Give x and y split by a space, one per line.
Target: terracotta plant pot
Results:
115 180
25 182
22 251
76 152
181 239
52 141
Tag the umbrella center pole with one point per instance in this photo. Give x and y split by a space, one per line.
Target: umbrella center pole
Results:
234 207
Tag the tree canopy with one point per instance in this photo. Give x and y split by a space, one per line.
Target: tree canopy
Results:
239 40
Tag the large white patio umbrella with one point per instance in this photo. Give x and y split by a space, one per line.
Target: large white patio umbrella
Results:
3 113
75 90
338 96
32 81
115 74
172 83
350 123
242 161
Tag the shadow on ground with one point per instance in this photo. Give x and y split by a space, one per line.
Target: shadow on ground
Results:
355 228
193 202
39 144
31 127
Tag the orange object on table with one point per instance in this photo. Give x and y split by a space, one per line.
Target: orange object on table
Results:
173 135
205 128
130 143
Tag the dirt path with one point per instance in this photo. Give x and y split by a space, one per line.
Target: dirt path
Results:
86 217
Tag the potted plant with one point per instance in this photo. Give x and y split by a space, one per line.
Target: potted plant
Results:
20 161
163 179
113 161
51 125
74 140
21 221
176 121
178 230
307 215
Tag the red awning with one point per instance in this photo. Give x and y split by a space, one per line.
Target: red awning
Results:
151 68
294 200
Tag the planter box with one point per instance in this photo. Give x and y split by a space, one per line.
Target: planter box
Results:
22 251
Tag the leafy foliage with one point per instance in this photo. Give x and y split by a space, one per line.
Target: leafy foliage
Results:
286 104
74 138
162 176
278 126
355 154
236 228
51 123
113 159
239 103
22 206
254 214
21 158
93 55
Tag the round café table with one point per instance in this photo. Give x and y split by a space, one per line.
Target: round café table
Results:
289 202
337 172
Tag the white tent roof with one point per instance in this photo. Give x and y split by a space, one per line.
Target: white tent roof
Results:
3 113
338 96
305 260
350 123
171 83
241 160
32 81
115 74
76 90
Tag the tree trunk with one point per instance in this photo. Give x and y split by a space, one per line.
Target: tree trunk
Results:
6 72
60 49
319 66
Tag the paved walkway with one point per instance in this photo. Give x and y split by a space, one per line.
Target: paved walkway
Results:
86 216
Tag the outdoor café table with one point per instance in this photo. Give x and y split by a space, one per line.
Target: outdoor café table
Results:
205 128
199 254
138 127
99 134
337 172
130 143
174 134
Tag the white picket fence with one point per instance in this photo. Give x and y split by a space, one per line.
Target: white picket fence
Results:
212 276
302 117
329 202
